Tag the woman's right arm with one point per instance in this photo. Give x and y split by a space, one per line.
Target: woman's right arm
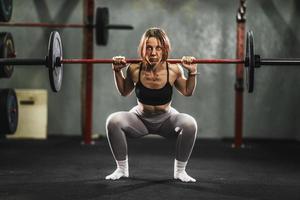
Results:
124 84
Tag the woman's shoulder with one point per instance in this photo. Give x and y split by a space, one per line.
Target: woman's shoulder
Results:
134 66
176 68
133 71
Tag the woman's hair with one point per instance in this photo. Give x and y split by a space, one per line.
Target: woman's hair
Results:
158 34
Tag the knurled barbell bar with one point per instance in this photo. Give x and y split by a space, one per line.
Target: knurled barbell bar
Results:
101 26
54 61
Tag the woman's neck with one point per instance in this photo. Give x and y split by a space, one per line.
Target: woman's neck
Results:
153 68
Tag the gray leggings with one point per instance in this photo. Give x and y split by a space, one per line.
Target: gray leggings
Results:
135 124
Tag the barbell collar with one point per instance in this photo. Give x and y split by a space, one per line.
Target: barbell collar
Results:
58 61
257 61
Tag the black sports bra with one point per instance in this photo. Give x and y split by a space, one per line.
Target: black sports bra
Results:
154 97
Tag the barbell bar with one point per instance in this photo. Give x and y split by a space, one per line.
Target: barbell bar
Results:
101 25
54 61
172 61
58 25
277 61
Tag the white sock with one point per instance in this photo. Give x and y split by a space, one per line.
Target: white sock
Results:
180 173
121 171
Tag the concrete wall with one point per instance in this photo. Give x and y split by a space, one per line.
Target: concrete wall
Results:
204 29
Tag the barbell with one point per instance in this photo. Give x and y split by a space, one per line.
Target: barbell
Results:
101 25
54 61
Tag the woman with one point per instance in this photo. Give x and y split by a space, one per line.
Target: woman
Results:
153 80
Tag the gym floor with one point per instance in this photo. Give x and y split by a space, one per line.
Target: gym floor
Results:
63 168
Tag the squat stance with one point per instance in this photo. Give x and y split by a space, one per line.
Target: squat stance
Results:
153 80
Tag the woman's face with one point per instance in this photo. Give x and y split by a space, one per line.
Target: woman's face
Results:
154 51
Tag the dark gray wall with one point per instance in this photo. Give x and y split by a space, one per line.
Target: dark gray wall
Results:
204 29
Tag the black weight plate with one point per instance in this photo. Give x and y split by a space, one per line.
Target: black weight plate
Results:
6 8
102 20
54 51
250 62
7 50
9 112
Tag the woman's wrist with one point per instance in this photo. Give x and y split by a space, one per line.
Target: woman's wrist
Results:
193 73
116 69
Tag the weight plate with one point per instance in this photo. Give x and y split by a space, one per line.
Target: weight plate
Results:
8 111
250 62
5 10
102 20
54 51
7 50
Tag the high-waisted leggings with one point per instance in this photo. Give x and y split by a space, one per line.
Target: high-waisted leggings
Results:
135 124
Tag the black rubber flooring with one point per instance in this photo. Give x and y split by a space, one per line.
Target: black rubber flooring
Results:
62 168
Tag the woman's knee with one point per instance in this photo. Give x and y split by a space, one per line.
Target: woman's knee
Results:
115 120
187 122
